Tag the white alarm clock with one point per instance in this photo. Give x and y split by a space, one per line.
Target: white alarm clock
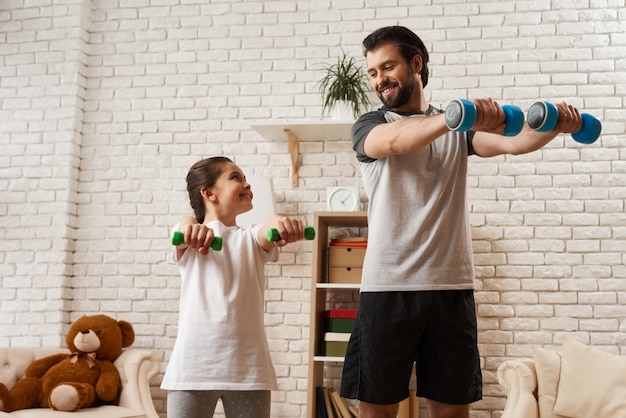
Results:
342 199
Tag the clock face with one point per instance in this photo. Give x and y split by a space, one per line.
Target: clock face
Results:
343 199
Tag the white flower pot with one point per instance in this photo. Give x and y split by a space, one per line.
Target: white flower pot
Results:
342 110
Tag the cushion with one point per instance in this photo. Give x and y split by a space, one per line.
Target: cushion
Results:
548 368
105 411
592 383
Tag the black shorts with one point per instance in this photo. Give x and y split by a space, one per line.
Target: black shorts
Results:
436 330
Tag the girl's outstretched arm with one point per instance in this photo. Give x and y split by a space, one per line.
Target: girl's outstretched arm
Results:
289 229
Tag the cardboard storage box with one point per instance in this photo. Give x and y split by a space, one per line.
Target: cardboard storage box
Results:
339 320
346 256
345 261
336 343
350 275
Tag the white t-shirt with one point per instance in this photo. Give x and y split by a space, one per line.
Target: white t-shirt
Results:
221 342
418 227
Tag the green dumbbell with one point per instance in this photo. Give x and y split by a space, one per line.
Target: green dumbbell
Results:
273 235
179 238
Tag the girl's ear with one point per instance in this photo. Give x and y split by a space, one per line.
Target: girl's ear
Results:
207 194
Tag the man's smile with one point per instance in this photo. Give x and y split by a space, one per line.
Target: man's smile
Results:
387 89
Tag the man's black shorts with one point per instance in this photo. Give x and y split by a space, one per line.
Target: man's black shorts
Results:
436 330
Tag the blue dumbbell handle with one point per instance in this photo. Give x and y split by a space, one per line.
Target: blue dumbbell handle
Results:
543 117
461 116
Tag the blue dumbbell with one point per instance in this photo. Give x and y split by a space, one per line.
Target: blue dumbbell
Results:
543 116
461 116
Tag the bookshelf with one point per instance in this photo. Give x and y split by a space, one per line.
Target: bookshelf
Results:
321 291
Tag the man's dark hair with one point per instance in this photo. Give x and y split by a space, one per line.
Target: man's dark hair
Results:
407 42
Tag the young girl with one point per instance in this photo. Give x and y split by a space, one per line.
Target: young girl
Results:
221 349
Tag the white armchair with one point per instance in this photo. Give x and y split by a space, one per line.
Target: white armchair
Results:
578 381
136 368
520 380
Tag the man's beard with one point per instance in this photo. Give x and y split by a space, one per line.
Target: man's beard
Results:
403 96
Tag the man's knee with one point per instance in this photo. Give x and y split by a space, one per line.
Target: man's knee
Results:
372 410
444 410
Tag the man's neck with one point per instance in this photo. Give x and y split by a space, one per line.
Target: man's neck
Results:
417 103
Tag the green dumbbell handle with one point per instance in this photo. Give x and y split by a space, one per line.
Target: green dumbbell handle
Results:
273 235
179 238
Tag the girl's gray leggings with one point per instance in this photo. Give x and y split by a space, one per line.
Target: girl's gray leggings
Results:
201 403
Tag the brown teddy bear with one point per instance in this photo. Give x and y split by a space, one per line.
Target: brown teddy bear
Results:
85 377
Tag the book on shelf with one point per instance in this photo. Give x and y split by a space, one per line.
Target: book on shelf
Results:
362 241
333 409
404 408
409 407
353 410
331 405
340 404
320 402
414 404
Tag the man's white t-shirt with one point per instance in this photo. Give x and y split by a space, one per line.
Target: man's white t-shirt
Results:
418 227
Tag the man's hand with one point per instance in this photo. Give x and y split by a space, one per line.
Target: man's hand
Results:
489 116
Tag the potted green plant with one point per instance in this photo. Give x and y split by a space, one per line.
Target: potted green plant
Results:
344 84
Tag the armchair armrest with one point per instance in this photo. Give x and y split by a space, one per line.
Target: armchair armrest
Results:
520 380
136 368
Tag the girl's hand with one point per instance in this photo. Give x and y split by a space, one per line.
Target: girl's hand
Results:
289 229
197 236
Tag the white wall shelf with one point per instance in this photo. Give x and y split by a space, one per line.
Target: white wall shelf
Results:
338 285
302 130
305 129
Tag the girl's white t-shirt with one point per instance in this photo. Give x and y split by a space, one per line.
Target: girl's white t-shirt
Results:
221 342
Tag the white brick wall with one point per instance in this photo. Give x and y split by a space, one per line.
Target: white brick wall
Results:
104 105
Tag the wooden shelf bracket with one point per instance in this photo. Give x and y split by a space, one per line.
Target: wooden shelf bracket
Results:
294 152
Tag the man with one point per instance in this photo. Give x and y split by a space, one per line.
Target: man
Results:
417 301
